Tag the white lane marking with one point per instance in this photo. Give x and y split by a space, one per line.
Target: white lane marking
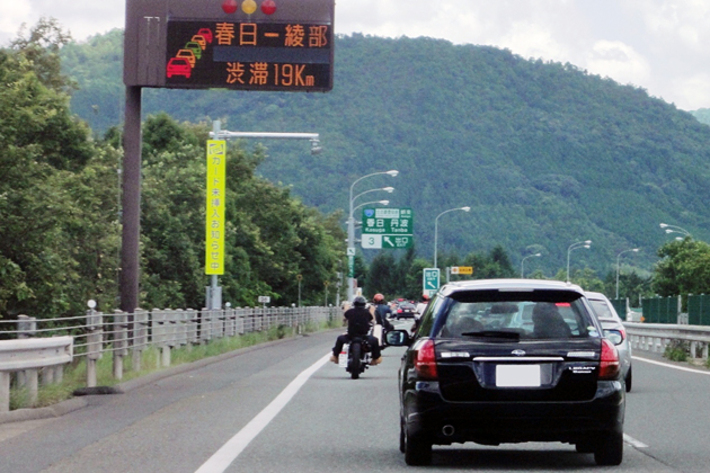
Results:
637 443
667 365
224 457
633 442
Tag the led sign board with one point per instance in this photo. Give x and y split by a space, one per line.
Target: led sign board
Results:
268 45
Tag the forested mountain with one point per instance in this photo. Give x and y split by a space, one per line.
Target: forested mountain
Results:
544 153
703 115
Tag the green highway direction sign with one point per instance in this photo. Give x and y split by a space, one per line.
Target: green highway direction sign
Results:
430 280
387 228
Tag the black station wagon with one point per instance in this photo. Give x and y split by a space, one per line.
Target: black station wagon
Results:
510 360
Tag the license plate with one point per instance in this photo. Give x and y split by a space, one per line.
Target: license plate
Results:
343 357
518 376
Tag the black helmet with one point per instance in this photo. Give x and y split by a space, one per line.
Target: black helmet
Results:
359 301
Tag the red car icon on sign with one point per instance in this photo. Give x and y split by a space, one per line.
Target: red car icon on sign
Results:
206 33
178 66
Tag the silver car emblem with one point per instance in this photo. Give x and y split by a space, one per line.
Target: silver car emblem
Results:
519 352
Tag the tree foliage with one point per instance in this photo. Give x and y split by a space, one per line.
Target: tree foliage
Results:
684 268
58 194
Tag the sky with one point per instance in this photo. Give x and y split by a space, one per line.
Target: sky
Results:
662 46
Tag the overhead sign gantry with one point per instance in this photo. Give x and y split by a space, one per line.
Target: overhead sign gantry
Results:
268 45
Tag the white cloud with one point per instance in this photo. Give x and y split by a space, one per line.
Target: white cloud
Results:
686 21
12 15
686 93
531 40
661 45
82 18
618 61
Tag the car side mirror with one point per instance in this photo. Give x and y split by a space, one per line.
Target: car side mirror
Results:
397 338
614 336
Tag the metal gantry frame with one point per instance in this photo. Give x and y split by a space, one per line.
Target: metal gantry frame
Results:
214 291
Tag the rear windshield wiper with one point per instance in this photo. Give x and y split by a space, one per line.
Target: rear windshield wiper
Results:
494 334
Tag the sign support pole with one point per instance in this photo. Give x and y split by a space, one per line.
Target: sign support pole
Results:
131 202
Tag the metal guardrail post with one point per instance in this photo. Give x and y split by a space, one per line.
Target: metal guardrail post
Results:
140 337
26 328
239 313
192 319
4 391
180 328
205 326
228 322
160 326
120 342
94 326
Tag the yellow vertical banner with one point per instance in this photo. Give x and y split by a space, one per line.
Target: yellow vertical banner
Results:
214 227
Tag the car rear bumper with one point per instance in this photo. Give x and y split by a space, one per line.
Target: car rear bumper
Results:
493 423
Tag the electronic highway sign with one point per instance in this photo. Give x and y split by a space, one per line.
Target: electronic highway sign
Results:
283 45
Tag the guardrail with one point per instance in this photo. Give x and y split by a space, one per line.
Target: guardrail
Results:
94 334
28 356
656 337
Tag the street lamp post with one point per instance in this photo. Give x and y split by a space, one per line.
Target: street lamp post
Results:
351 228
635 250
522 263
436 228
576 246
675 229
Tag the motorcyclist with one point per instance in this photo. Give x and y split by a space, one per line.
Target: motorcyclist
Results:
421 306
382 312
359 322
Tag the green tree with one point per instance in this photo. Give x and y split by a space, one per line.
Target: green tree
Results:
41 46
413 288
380 278
684 268
496 264
58 193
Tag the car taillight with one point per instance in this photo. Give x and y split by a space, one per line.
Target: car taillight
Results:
609 366
399 311
425 364
623 334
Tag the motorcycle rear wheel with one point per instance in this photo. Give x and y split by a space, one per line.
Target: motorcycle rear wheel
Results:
354 354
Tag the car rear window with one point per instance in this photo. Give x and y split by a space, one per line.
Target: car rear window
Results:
602 310
512 315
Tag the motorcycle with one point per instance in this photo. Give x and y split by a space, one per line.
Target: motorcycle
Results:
355 357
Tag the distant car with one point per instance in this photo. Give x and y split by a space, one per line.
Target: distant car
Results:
405 310
614 327
473 372
195 48
188 55
178 66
